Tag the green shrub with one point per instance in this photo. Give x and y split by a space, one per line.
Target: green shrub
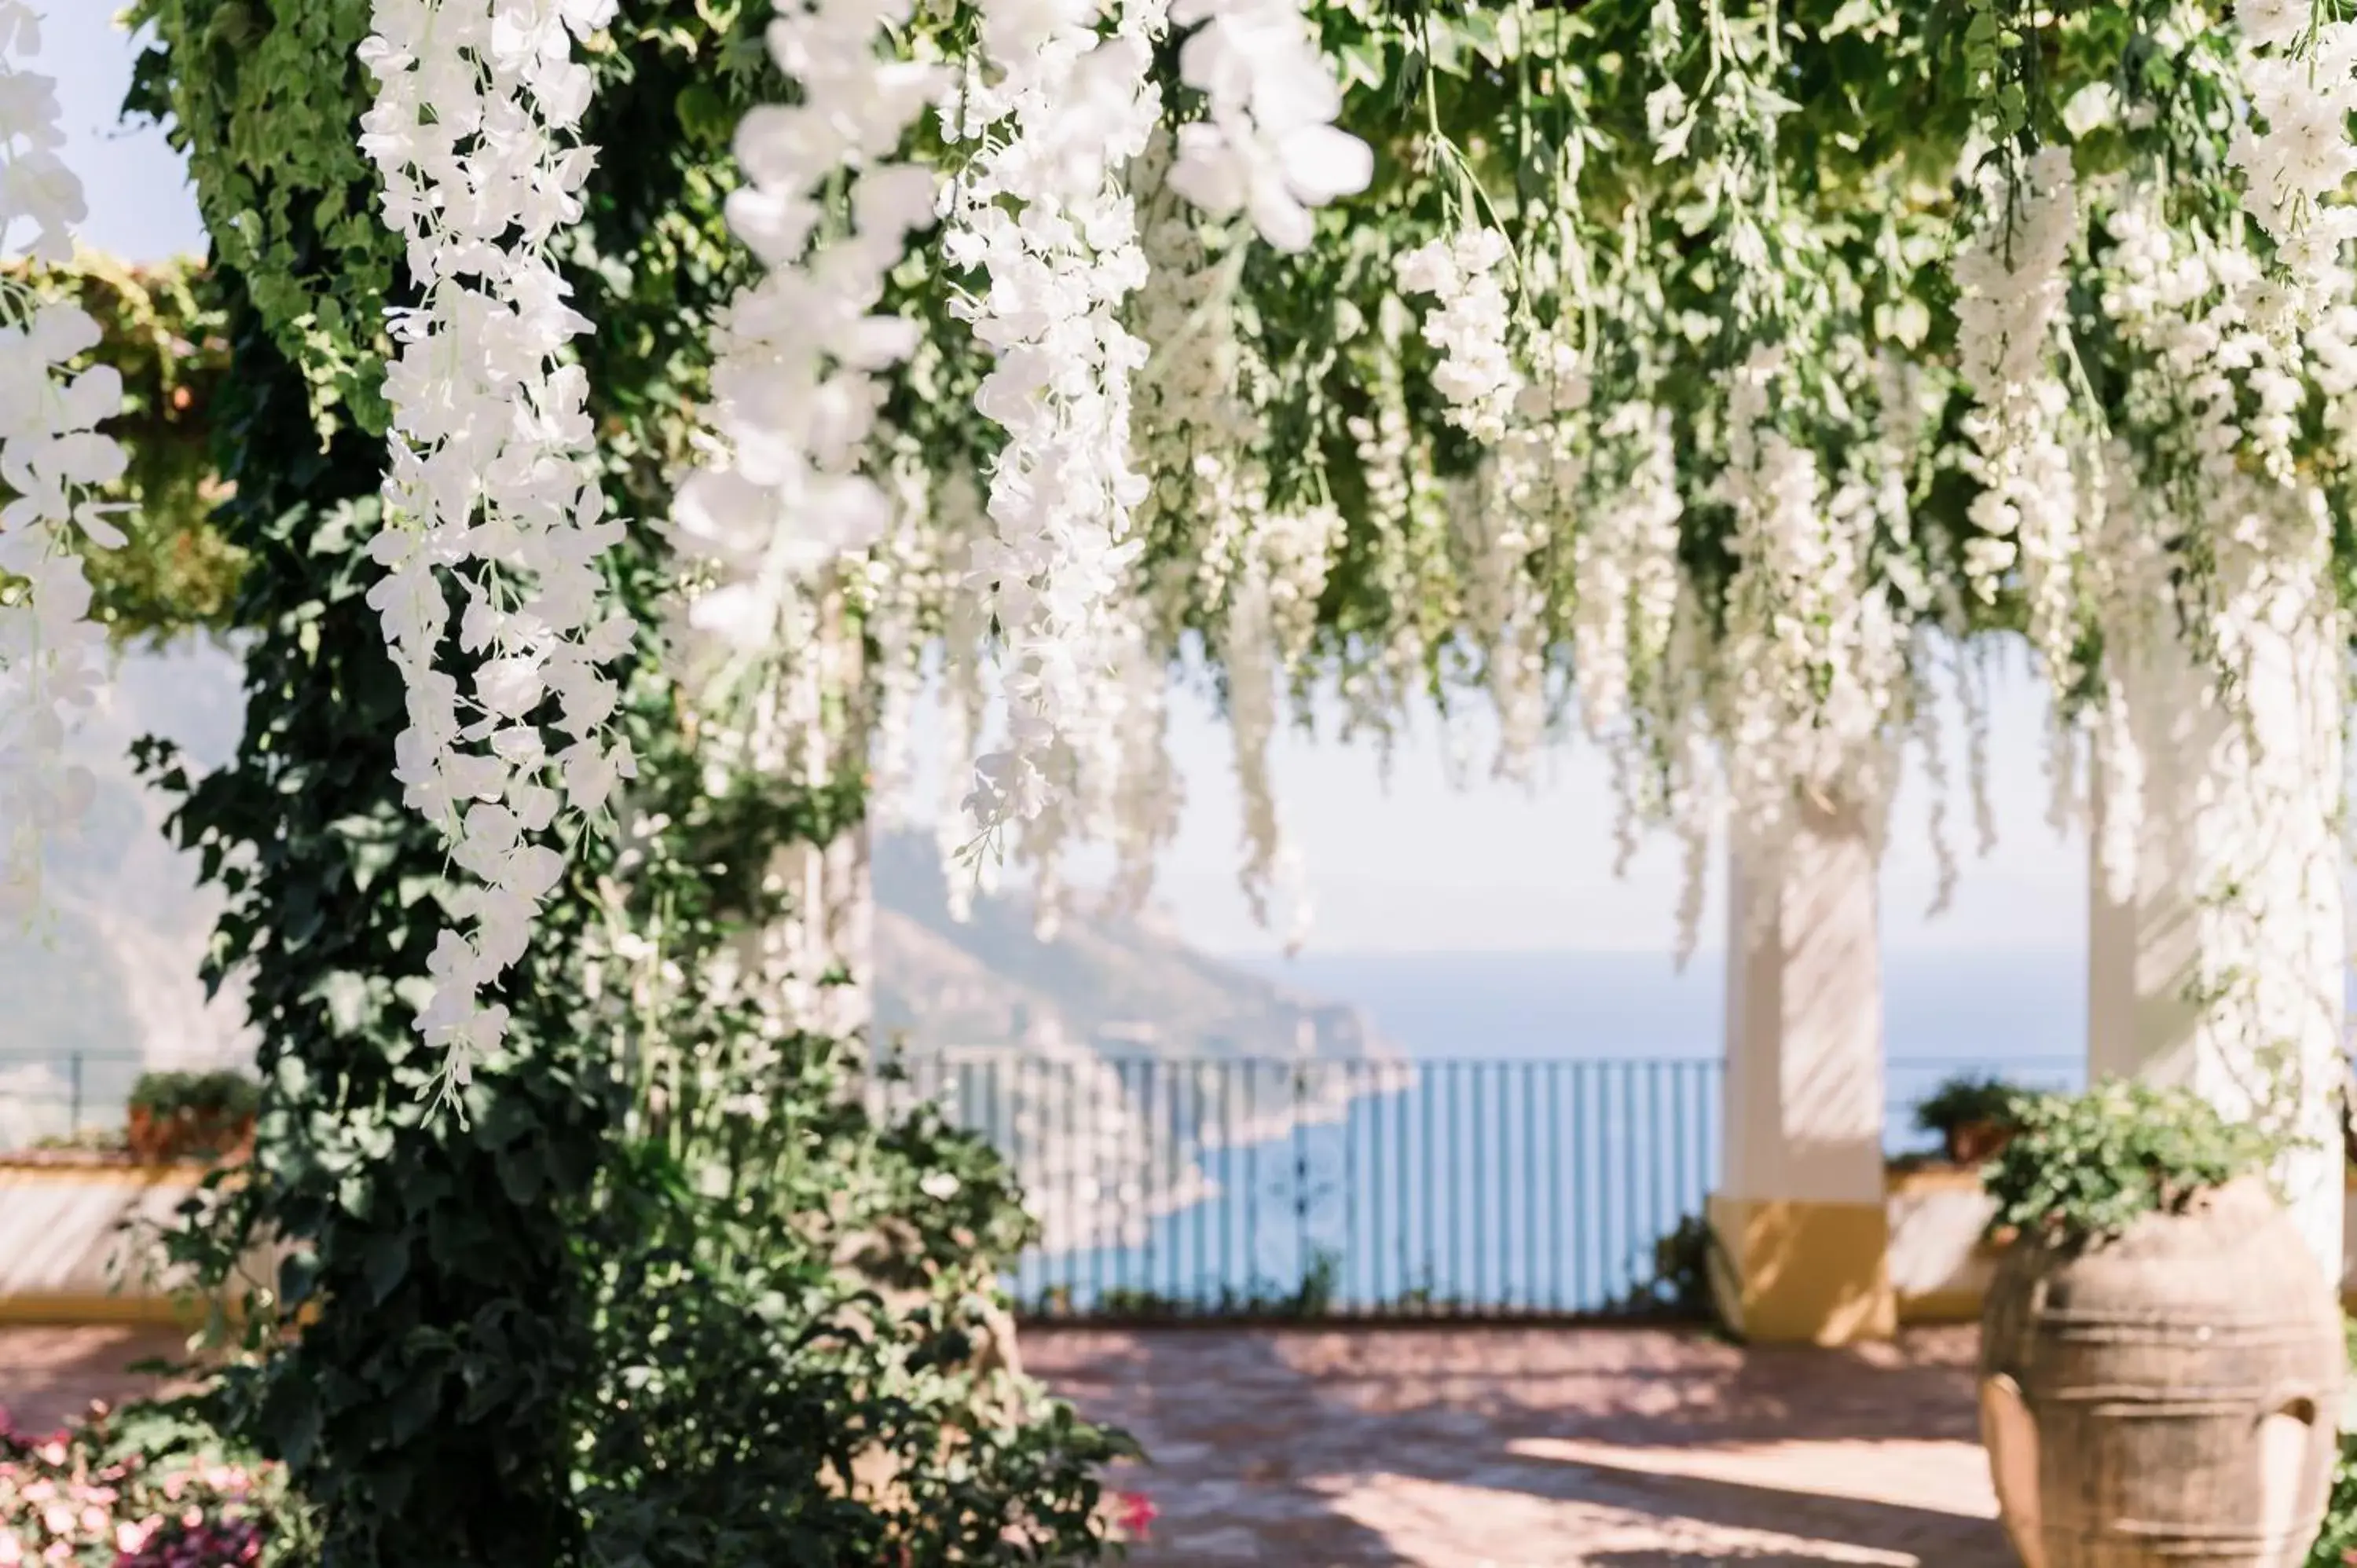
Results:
1966 1101
226 1094
2084 1166
2336 1544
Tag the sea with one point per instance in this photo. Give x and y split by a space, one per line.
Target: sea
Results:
1558 1120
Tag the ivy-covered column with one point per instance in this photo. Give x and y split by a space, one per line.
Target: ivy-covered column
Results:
1799 1214
2217 933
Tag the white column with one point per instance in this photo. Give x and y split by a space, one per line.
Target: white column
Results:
1804 1080
1801 1214
2221 965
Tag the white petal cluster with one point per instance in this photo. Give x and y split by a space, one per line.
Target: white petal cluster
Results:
1042 213
1194 433
490 481
2012 280
1814 657
1198 436
797 357
2206 517
1532 480
54 458
1267 145
1272 617
1625 567
1477 374
2294 147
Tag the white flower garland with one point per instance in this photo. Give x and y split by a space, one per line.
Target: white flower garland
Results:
2011 277
491 477
1271 620
2293 145
54 458
795 379
1814 660
1267 145
1626 572
1477 374
1042 212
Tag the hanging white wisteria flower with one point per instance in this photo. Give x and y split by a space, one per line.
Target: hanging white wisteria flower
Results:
2012 283
2299 67
53 461
1272 617
489 479
1267 146
1814 656
1477 374
1194 432
798 356
1041 214
1625 569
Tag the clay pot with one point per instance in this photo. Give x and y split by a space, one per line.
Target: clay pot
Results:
2170 1397
187 1135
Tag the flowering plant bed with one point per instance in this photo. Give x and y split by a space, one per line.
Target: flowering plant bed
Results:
128 1495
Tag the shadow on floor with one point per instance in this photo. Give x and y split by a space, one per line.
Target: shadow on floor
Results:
1254 1433
1936 1537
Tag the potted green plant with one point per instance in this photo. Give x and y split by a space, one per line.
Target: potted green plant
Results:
192 1115
2161 1355
1971 1116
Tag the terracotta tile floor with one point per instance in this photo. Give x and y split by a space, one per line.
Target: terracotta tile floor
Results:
1476 1448
49 1375
1511 1448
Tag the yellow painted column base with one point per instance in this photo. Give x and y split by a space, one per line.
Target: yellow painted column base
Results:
1789 1272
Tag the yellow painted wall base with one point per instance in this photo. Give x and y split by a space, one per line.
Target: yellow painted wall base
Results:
1803 1274
80 1308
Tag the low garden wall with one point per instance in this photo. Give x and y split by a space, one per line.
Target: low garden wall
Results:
1940 1263
77 1239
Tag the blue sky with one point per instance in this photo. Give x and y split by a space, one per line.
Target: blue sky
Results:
1418 866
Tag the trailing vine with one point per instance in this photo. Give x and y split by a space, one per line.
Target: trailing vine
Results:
540 1332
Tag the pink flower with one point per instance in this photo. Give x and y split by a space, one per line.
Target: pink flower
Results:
12 1551
131 1537
58 1518
1135 1511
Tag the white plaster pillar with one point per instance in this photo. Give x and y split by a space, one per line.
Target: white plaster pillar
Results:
1800 1213
2216 960
1804 1079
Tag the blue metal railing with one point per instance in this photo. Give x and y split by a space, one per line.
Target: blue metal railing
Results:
1169 1186
1237 1186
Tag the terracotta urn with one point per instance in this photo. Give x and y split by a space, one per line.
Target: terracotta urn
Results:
2168 1397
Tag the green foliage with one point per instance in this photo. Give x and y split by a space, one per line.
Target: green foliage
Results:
2336 1543
265 97
2085 1167
799 1356
1966 1101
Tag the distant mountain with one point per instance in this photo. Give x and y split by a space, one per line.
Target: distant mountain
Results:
1121 985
